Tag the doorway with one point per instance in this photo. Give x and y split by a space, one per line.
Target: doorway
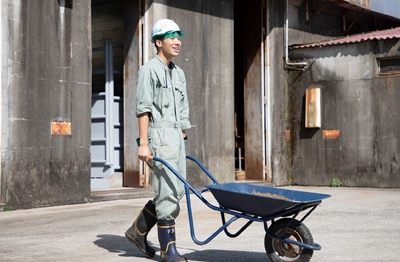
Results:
249 85
107 93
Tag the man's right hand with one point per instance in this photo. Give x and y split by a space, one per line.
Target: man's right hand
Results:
144 152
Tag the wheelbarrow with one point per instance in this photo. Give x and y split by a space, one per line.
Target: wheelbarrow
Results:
286 239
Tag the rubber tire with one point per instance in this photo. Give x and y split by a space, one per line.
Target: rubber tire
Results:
300 229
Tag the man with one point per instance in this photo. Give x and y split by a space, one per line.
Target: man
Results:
163 113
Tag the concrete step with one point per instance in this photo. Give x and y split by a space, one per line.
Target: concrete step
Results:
256 182
98 195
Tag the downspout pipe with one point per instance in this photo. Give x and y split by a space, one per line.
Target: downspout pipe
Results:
267 106
296 65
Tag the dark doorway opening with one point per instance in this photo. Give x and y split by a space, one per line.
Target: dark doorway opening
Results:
107 93
248 52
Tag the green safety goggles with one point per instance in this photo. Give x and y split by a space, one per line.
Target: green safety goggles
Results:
176 34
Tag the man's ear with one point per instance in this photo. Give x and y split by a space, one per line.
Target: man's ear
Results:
158 43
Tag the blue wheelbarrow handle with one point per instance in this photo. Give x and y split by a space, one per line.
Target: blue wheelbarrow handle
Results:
175 173
197 193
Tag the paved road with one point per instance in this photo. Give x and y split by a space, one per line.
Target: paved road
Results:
356 224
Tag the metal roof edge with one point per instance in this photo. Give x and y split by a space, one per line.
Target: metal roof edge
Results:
392 33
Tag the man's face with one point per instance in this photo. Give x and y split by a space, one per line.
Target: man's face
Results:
170 46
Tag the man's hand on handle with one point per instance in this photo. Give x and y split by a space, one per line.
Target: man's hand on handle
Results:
144 152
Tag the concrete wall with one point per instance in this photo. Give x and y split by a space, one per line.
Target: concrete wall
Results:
206 57
207 60
46 77
296 156
356 101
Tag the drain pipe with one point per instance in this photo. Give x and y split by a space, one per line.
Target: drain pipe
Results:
290 65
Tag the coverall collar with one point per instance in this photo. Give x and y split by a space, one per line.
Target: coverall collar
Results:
171 64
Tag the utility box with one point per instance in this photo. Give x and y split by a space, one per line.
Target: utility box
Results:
313 108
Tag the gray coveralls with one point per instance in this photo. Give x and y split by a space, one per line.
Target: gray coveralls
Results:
161 92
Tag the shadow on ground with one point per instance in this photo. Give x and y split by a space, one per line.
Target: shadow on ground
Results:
218 255
119 244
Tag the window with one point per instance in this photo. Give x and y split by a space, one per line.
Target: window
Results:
389 66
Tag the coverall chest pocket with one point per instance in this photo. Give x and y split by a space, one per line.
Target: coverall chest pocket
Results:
179 98
167 104
180 94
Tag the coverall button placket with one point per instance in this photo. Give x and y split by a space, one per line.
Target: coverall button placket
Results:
171 73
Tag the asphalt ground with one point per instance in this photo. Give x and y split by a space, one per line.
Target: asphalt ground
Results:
355 224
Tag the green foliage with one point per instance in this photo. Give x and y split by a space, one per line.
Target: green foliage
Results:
336 183
6 208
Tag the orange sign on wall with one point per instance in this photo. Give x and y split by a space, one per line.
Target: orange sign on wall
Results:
331 134
60 128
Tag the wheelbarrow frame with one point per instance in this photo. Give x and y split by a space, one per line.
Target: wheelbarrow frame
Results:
293 211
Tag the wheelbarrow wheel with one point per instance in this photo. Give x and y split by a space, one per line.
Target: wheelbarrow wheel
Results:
279 251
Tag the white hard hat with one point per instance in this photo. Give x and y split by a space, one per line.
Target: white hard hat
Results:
163 26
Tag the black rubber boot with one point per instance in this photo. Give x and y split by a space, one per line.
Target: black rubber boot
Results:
166 236
137 233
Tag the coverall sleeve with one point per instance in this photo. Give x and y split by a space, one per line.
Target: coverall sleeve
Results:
185 124
144 92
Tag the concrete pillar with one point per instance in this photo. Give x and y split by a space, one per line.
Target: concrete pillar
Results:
46 84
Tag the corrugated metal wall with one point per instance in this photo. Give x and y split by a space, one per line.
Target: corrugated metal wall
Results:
387 7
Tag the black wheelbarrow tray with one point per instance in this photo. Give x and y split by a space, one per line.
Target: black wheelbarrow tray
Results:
286 239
